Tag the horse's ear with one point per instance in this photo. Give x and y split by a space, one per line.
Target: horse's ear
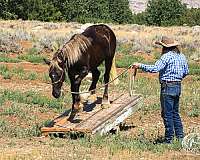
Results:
47 61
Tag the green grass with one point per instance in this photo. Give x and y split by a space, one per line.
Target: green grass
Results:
20 117
124 48
32 58
24 105
4 71
195 112
45 78
8 129
13 110
31 98
115 143
194 69
32 76
126 60
20 73
4 58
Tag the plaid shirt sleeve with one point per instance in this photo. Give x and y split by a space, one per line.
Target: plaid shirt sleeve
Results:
171 67
159 65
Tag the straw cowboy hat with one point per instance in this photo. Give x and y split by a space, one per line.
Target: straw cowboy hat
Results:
167 42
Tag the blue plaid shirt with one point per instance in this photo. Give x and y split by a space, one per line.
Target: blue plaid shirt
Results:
171 66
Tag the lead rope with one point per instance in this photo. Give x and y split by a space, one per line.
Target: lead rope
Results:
102 86
132 75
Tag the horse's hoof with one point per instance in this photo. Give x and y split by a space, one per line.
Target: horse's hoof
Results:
105 104
72 115
92 98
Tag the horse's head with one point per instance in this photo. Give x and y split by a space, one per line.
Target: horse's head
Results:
57 75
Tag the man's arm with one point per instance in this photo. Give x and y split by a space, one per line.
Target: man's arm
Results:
159 65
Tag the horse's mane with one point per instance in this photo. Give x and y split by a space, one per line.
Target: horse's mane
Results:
73 49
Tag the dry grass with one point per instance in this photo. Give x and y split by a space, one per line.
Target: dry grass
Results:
20 112
53 35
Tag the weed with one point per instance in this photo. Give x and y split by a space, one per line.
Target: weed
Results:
127 60
32 76
4 58
32 58
195 112
33 51
194 69
46 78
2 100
18 70
124 48
118 142
13 110
4 71
7 129
32 98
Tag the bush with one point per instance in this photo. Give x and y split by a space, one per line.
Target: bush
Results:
164 12
139 18
191 17
4 10
117 11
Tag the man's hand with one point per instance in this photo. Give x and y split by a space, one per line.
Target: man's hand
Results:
136 65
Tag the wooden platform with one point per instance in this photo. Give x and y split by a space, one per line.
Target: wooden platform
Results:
94 119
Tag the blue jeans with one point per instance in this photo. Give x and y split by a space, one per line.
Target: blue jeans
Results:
169 98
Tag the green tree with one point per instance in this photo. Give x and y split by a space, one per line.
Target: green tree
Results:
191 17
164 12
69 10
5 11
120 11
19 8
43 10
47 11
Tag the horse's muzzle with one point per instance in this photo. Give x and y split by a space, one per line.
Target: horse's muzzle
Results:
56 94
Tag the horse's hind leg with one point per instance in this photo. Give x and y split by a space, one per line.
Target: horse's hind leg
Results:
95 77
108 65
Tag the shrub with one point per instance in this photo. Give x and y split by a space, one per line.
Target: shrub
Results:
117 11
164 12
191 17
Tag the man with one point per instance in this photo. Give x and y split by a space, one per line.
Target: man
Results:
172 68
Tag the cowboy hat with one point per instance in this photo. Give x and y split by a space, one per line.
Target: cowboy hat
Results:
167 42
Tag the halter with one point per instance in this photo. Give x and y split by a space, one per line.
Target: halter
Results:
59 79
60 76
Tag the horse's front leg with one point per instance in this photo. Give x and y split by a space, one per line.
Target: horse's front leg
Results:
75 84
95 77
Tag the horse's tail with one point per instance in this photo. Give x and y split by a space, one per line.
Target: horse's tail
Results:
113 73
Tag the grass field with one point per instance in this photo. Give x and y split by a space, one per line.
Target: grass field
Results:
26 103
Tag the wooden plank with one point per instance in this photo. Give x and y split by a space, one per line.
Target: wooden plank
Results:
113 121
104 115
96 120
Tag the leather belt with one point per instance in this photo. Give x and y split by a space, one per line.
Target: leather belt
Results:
170 82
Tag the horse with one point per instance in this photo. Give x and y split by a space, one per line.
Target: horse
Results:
82 54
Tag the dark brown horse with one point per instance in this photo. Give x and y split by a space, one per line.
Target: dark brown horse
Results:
83 53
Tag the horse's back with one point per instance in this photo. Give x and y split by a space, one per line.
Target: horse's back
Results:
99 29
103 36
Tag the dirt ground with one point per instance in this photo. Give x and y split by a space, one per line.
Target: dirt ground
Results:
140 124
151 123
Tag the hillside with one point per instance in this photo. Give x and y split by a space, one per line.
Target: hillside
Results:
140 5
